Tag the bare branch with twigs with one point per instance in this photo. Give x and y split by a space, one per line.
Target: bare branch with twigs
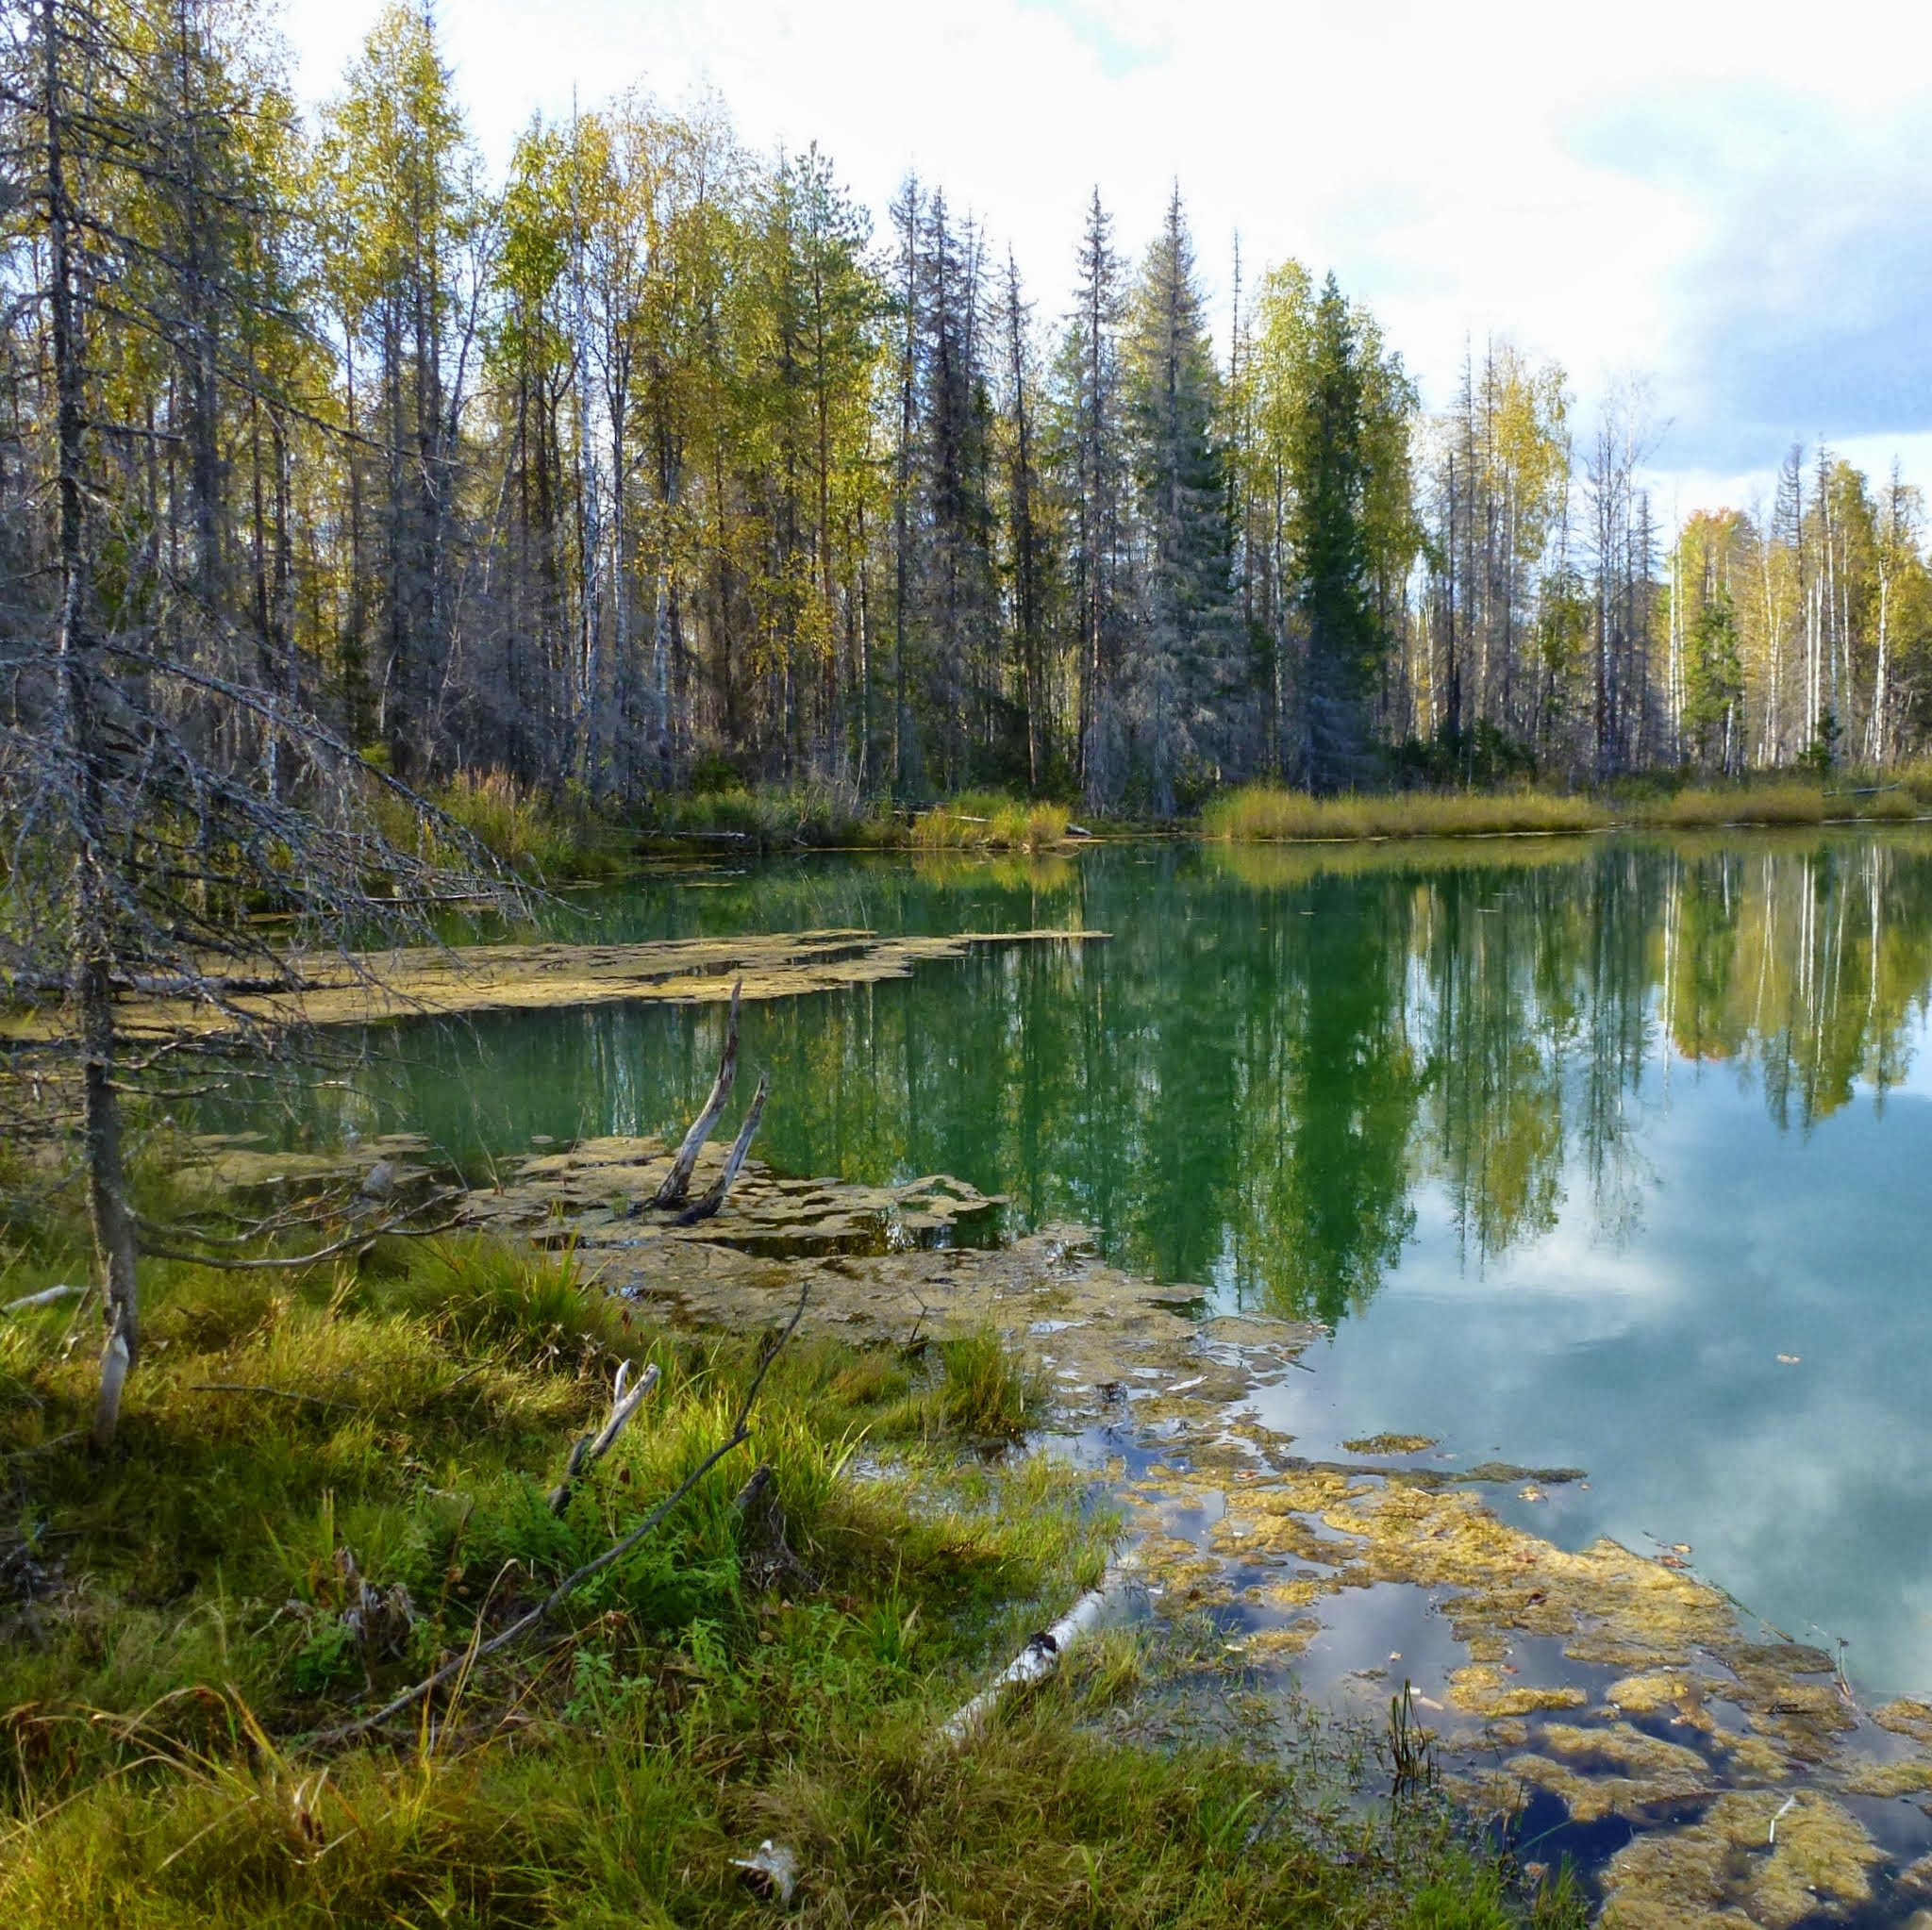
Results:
536 1617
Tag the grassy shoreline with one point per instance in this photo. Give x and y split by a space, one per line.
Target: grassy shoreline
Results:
1259 814
565 841
330 1480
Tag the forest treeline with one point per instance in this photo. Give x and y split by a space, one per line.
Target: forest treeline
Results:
655 465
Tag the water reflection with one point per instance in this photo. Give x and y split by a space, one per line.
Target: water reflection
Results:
1610 1155
1248 1085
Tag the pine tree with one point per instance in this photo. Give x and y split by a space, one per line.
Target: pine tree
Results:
1089 455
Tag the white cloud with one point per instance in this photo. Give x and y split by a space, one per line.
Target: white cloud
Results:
1593 186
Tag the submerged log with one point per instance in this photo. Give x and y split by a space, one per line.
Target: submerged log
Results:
676 1183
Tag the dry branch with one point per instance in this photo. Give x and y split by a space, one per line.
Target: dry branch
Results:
591 1448
45 1297
677 1181
525 1625
713 1201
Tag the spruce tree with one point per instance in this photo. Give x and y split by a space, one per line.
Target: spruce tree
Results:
1330 541
1183 667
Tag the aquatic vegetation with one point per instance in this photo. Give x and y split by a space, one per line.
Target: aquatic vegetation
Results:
1753 1857
986 820
427 981
327 1479
1262 811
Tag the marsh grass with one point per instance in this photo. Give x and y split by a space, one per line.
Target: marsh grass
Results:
177 1622
986 820
1260 813
772 818
1263 812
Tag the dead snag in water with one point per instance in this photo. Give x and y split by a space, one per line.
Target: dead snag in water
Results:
676 1183
714 1199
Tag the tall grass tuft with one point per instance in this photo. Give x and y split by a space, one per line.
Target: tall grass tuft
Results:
1259 814
986 820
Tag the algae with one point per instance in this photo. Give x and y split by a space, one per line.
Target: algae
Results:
1909 1715
1482 1689
1733 1865
354 989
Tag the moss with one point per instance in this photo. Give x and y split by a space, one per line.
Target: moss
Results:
1389 1444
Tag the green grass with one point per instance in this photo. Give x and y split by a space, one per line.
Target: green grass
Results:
188 1631
818 815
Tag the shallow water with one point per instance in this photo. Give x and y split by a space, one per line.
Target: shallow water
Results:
1570 1143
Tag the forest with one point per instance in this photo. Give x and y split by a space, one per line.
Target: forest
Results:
661 465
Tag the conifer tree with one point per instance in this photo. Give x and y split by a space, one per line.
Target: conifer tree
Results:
1331 542
1185 669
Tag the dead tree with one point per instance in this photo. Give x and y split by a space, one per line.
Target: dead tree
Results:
676 1183
674 1189
159 785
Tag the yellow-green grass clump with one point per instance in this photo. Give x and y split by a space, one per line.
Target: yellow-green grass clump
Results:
328 1481
986 821
1264 812
1261 813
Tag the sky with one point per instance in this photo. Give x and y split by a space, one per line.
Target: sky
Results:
1728 202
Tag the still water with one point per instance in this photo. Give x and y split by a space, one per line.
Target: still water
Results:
1610 1153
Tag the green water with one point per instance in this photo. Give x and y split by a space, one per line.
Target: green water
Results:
1566 1143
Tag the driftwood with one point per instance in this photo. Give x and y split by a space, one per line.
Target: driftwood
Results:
47 1296
535 1618
1037 1660
714 1199
676 1182
591 1448
765 1556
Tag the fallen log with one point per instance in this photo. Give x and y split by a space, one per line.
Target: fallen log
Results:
1038 1659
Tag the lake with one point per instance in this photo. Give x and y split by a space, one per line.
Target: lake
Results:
1602 1153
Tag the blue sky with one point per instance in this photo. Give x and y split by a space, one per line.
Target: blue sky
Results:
1733 200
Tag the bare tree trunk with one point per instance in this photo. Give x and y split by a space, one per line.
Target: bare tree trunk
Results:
79 732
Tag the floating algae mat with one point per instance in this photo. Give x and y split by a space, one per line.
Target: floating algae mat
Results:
1599 1702
888 1263
427 981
